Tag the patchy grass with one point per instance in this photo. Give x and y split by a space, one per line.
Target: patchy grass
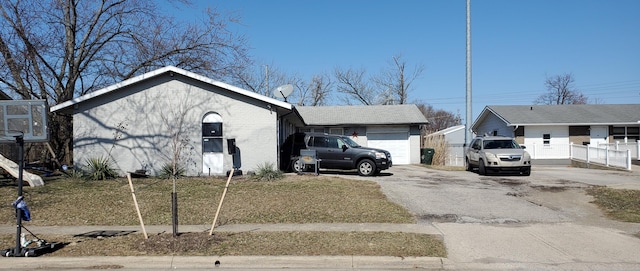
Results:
619 204
251 243
294 199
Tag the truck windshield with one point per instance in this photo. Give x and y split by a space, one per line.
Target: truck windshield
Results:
500 144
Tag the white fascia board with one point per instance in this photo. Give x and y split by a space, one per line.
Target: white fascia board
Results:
178 71
233 88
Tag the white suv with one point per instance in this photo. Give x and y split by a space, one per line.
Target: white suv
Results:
499 154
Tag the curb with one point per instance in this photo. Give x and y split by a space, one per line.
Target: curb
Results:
226 262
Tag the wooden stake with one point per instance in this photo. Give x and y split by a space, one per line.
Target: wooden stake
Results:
226 187
135 202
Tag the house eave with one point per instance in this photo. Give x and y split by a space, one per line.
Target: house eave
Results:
574 124
161 71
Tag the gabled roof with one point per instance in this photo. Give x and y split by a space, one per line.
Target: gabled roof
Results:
576 114
407 114
164 70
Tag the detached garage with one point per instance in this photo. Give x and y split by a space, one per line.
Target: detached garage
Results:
395 128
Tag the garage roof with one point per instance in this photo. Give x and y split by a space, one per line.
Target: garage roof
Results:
407 114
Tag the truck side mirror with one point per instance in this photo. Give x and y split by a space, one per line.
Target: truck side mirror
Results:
344 147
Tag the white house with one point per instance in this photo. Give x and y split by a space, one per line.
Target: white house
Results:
144 122
547 130
141 122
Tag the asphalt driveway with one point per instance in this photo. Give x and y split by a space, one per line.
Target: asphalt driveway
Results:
551 194
545 221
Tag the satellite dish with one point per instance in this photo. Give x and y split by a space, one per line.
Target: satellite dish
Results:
284 91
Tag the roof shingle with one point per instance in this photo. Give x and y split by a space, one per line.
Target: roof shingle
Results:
362 115
568 114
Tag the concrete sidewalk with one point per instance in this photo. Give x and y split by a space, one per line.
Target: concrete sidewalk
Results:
470 246
553 246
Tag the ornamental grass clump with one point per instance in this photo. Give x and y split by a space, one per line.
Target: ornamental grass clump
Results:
267 172
167 171
99 168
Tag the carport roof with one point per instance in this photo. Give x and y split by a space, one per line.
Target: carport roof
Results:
576 114
405 114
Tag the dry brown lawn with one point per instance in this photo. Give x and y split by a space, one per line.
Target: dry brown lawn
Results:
294 199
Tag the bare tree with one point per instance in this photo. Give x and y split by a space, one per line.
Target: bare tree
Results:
560 90
58 49
438 118
178 126
396 81
314 93
261 79
353 84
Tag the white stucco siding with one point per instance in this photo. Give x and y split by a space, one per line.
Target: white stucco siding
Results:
146 113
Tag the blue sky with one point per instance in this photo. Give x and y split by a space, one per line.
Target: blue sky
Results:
515 44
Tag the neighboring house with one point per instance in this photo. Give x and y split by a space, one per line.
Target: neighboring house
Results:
550 128
141 121
454 137
395 128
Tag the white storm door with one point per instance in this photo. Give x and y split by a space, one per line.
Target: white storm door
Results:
599 135
212 163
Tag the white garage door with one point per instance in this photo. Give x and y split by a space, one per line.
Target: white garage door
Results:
396 143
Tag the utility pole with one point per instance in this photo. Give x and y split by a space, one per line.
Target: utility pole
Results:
467 134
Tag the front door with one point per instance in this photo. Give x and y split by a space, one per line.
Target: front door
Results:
212 151
599 135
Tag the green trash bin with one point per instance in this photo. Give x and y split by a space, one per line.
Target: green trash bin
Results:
426 156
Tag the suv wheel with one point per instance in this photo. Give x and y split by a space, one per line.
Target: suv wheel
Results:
366 167
467 165
296 165
481 169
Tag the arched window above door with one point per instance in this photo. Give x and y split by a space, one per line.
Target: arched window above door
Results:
212 133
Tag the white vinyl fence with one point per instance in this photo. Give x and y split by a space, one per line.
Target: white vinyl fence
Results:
612 154
606 156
